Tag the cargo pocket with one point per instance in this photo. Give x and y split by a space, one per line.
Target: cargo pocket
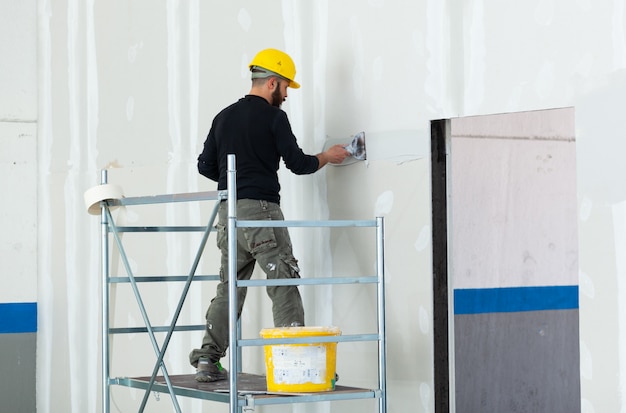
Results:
221 237
260 239
291 269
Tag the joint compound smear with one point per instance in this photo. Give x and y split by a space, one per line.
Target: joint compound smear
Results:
384 203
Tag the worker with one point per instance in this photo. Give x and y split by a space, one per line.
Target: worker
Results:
258 132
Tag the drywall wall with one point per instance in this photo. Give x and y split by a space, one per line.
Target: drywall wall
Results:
133 86
18 209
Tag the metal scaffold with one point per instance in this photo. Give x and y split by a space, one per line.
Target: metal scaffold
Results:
241 390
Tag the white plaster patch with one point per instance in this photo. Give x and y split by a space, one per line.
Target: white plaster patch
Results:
125 216
130 108
425 395
132 51
397 145
45 283
244 19
423 239
544 12
384 204
586 363
586 285
134 265
424 320
585 209
377 3
545 80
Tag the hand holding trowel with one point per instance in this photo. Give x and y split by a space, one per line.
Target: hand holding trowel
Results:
356 149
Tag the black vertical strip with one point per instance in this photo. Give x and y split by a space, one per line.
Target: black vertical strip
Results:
440 265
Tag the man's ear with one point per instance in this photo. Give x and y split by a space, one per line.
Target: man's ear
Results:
272 83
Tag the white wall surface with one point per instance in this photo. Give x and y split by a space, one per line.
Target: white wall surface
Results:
133 87
18 152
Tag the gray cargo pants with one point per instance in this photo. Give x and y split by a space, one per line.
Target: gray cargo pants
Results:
271 249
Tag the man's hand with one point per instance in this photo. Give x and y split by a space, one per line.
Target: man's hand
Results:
335 154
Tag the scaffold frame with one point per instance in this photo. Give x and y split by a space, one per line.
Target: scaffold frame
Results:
230 391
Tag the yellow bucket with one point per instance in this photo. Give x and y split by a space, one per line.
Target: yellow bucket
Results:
300 368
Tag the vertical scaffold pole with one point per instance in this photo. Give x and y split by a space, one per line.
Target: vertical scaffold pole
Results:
382 346
232 280
105 299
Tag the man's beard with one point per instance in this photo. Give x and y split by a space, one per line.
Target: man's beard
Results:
277 97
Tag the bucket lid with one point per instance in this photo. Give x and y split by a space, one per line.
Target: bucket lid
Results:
282 332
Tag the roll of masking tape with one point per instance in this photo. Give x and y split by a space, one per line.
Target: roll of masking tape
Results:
93 196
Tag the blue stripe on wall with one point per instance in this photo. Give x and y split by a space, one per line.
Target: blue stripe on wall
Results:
18 318
514 299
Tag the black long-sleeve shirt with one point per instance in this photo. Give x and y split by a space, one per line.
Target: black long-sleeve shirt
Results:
259 135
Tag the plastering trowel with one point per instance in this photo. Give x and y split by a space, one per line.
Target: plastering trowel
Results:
356 148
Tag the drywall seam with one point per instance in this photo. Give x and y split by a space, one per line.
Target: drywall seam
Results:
73 293
182 72
173 77
358 50
293 47
92 89
313 67
324 296
174 248
617 33
93 290
452 63
320 61
194 300
45 290
193 42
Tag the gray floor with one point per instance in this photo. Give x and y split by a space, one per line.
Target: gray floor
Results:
17 368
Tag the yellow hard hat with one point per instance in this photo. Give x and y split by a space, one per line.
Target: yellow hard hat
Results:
277 62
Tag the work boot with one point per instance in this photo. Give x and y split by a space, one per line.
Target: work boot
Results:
208 372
